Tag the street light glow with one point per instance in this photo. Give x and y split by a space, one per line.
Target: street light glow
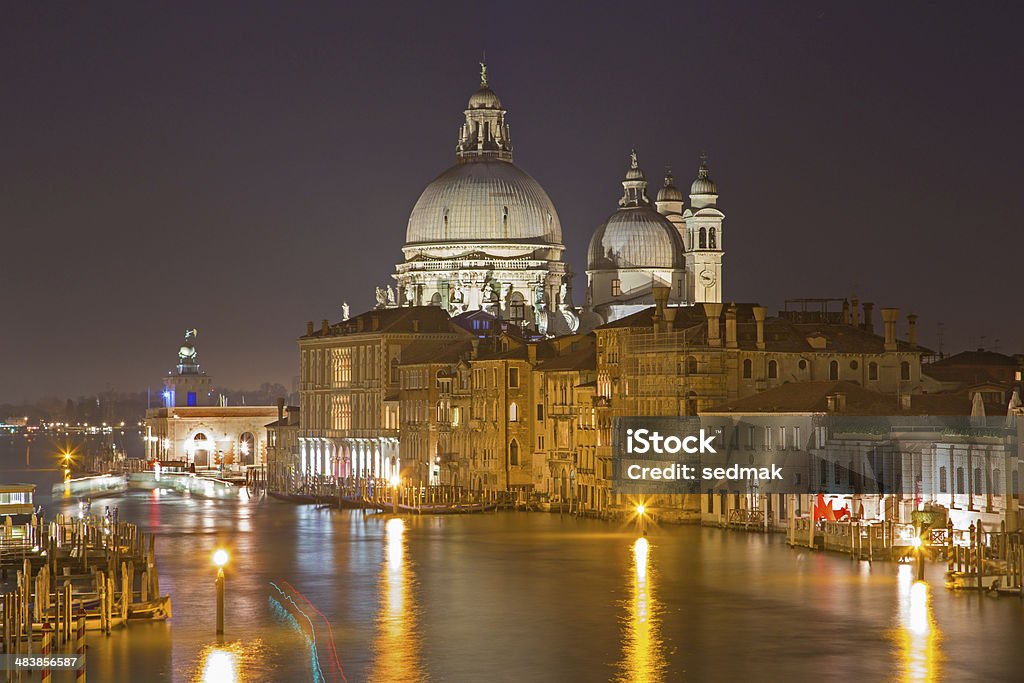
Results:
640 509
220 557
916 541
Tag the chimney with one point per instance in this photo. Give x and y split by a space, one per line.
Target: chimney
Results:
760 313
374 322
912 329
670 318
325 326
309 328
840 402
889 316
360 323
714 314
830 402
415 324
869 317
280 409
731 341
846 312
531 352
855 310
660 293
475 343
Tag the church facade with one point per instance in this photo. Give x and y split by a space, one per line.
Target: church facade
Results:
485 236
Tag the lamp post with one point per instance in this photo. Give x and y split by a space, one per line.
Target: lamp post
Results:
220 558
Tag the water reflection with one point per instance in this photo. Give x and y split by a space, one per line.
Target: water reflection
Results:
643 657
224 662
397 648
918 637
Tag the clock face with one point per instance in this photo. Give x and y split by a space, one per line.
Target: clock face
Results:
707 277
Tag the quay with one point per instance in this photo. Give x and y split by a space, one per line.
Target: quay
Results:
70 574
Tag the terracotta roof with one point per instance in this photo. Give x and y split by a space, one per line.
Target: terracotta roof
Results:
812 397
584 359
431 320
780 335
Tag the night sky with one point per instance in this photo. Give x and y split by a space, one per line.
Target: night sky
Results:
243 168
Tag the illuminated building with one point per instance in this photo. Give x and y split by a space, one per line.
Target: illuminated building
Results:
188 430
484 235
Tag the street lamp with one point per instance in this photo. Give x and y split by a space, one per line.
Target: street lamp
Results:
220 558
641 510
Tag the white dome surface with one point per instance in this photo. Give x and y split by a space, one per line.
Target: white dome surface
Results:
484 201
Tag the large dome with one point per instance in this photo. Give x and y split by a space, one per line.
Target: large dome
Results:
485 200
635 237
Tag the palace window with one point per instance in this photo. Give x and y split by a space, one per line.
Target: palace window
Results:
905 371
513 412
872 371
703 240
943 484
517 307
712 239
513 378
773 369
833 370
748 369
960 480
513 452
977 481
616 287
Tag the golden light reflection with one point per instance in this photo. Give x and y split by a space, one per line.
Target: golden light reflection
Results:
397 648
918 636
225 662
643 659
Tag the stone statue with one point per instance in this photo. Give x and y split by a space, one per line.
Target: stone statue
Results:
382 297
344 310
390 296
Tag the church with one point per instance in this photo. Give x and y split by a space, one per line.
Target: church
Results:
485 236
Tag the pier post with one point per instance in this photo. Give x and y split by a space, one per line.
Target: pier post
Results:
47 675
80 648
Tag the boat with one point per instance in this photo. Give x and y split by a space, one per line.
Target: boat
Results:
154 610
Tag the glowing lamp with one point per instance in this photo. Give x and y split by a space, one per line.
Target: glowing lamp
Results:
220 558
640 509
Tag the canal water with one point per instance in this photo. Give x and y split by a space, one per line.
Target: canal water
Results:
532 597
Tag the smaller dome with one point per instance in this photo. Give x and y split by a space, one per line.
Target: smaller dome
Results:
636 237
669 192
703 184
484 98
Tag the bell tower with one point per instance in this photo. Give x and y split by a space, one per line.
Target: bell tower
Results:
705 245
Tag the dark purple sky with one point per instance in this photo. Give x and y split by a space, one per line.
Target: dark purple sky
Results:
245 167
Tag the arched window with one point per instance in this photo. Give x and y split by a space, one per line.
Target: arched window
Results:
436 299
513 452
960 488
773 369
247 448
833 370
823 473
691 365
703 240
943 484
713 239
516 307
977 481
748 369
905 371
873 371
513 412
